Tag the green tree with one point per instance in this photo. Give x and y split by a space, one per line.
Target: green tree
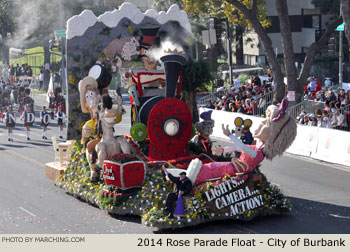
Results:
345 7
327 6
7 25
38 19
195 75
222 9
249 9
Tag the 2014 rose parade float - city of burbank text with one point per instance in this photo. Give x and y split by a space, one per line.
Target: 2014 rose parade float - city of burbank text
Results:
239 242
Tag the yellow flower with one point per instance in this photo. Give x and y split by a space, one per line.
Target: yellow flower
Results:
170 222
131 30
71 79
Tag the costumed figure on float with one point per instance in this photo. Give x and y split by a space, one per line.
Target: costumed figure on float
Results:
204 129
97 133
89 98
110 114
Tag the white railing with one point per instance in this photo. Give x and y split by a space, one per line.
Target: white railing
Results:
263 102
211 97
309 106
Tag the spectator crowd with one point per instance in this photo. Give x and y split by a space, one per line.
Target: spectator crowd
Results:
334 110
245 98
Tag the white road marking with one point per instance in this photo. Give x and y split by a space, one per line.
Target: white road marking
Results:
275 184
339 216
19 134
311 160
25 158
26 211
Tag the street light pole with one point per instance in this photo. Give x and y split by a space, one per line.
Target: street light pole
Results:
229 50
63 72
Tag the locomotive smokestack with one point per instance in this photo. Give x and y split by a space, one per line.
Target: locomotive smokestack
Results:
173 60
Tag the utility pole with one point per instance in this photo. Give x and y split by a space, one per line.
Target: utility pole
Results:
340 55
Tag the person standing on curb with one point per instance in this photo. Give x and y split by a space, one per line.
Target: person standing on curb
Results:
41 79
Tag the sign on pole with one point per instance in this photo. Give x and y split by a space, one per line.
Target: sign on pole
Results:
340 27
209 37
205 35
60 33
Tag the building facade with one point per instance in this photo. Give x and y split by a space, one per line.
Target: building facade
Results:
307 24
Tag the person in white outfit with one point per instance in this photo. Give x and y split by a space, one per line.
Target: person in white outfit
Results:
60 120
236 82
44 121
10 120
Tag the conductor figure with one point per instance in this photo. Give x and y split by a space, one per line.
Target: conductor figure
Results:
183 188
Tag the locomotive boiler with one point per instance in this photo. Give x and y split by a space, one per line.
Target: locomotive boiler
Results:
164 118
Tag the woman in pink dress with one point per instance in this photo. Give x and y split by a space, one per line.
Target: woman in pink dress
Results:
275 134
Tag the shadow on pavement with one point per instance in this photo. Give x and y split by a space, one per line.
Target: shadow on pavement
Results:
306 217
41 144
14 145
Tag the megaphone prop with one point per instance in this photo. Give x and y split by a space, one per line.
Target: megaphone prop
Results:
179 211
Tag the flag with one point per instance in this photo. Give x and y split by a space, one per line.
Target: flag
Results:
49 90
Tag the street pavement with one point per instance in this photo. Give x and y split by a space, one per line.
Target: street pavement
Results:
32 204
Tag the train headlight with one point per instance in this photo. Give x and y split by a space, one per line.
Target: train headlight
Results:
171 127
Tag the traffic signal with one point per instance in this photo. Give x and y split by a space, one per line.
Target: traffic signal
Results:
219 29
332 45
205 55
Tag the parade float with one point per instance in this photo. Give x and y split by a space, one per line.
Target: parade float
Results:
123 174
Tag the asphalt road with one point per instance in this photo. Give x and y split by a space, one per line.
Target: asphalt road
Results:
32 204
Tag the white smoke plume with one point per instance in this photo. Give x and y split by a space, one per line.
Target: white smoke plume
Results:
38 19
157 53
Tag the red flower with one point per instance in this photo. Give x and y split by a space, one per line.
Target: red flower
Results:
123 158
